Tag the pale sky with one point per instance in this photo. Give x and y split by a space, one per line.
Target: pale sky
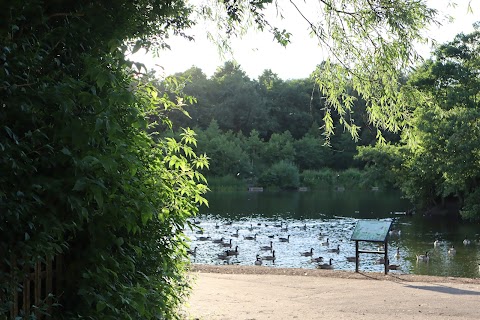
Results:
256 52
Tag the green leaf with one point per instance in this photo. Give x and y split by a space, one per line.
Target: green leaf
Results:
102 79
11 134
119 242
98 196
101 305
137 46
79 185
66 151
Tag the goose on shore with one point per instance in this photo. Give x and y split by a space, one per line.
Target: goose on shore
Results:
328 265
423 257
287 239
307 253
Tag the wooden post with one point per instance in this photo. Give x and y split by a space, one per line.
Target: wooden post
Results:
385 245
13 271
49 284
26 290
357 256
58 275
38 287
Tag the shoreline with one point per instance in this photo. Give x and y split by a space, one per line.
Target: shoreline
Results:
391 276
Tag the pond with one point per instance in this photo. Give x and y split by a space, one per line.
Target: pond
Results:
308 219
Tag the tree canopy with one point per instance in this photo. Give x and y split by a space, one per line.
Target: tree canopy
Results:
370 45
437 161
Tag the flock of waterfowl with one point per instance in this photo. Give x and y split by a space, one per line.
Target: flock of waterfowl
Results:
260 243
318 243
451 251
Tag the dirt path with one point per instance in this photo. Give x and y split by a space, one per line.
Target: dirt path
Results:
237 293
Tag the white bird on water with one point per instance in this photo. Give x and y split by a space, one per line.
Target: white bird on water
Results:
452 250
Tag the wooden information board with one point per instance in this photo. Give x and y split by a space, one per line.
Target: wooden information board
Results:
371 230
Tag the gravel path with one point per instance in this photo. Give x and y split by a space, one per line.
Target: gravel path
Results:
250 292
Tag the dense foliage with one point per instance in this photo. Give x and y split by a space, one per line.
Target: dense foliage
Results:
268 105
253 161
437 162
247 126
369 45
81 176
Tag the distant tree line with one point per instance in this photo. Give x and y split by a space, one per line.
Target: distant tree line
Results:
266 131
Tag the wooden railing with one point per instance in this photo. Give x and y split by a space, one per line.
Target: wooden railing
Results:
34 293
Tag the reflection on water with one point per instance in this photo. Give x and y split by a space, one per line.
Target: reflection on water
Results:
310 218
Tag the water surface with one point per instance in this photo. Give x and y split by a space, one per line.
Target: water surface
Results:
310 218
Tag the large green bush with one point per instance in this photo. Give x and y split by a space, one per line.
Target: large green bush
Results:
351 179
227 183
283 175
81 175
318 179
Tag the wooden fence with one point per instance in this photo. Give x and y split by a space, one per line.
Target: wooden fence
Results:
33 293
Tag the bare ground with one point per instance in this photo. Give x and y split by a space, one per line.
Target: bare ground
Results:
256 292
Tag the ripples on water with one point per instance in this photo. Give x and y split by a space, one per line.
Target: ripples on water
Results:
306 234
